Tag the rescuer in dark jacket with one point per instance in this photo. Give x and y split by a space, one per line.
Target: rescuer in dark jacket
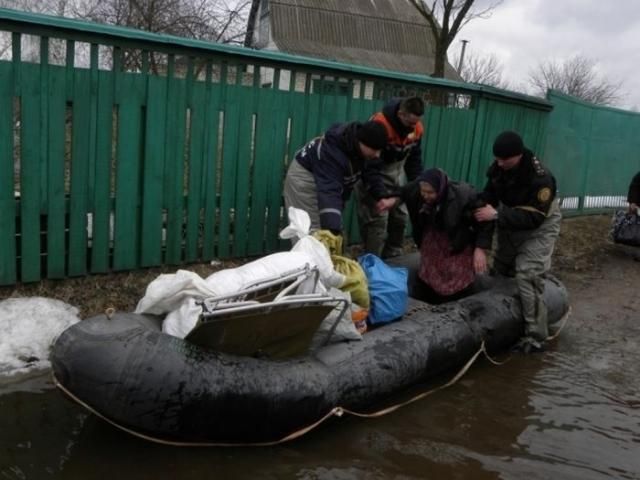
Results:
321 177
521 199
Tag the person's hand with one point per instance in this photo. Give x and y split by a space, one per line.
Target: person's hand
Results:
385 204
633 208
485 214
479 261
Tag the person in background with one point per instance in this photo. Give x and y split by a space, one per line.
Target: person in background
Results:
451 242
322 175
383 232
520 195
633 197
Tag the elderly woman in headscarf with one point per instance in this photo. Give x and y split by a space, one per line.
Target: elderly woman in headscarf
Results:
452 244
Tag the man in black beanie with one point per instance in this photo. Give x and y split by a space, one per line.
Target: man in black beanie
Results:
520 195
322 174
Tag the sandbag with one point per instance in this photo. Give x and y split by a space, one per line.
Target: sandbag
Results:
355 279
387 288
330 240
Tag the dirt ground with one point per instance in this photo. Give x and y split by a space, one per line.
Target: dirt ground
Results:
585 260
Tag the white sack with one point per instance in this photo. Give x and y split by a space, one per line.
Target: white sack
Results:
299 225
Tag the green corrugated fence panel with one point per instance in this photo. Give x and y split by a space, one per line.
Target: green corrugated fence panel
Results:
102 204
56 204
196 165
432 123
454 133
153 176
493 117
7 201
313 122
591 149
78 204
30 169
126 254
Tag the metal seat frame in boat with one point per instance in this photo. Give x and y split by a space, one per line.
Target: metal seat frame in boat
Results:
283 327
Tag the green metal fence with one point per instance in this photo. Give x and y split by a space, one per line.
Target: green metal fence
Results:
593 151
121 149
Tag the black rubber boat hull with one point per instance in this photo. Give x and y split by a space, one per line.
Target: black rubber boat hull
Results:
166 389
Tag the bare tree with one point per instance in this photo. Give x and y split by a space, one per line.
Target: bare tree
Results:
484 69
215 20
222 21
445 19
577 76
31 47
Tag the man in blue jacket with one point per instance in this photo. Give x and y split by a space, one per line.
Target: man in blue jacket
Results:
321 177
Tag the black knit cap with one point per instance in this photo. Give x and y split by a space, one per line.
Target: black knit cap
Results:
508 144
373 135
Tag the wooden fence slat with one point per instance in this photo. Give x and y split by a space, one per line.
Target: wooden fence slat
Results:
228 170
8 273
56 204
127 214
212 126
153 177
243 188
267 157
30 168
174 167
196 165
102 205
78 204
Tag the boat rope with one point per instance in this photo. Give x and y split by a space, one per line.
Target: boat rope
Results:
334 412
422 395
563 323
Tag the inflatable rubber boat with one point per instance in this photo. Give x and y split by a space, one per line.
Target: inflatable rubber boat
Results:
122 368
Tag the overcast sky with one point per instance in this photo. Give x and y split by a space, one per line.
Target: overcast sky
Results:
522 33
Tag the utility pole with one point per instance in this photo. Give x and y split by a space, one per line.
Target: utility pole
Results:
464 46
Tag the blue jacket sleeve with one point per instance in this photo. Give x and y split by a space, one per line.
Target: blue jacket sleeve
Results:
329 174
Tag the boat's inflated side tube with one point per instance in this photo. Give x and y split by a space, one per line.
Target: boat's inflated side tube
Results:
128 371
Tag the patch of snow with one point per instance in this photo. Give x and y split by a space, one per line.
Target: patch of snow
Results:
29 328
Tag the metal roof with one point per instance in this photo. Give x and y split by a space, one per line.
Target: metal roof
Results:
387 34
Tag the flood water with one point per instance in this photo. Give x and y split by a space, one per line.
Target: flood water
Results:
571 413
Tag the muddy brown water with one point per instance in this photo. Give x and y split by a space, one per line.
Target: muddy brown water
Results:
570 413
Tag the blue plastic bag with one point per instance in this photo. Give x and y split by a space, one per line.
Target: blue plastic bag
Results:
388 289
